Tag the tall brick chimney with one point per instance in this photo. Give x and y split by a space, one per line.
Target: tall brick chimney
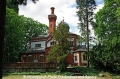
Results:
52 21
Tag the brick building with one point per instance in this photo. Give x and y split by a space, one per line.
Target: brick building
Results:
40 47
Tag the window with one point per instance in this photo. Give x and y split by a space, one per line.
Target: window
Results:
37 45
42 57
75 58
53 42
84 57
24 57
30 57
71 43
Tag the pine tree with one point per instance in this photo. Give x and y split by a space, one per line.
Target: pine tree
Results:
85 14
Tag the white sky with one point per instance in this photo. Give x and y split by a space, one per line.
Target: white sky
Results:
63 8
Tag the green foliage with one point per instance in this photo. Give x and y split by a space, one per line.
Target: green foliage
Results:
106 53
22 2
80 40
14 32
67 74
59 51
118 9
12 6
18 31
32 29
39 73
87 71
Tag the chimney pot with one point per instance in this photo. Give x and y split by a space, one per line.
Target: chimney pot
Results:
52 10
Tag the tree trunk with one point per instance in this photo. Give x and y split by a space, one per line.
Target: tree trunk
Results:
63 65
87 31
2 31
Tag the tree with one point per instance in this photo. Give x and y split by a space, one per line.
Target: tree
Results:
85 14
33 29
14 31
2 24
118 9
59 51
2 29
80 40
106 54
19 29
11 6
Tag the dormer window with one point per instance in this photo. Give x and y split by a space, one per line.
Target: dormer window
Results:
53 42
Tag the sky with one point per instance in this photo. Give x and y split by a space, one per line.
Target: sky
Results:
63 8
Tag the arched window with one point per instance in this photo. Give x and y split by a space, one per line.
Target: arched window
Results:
29 57
75 58
24 57
42 57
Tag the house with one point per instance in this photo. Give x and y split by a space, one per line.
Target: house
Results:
40 47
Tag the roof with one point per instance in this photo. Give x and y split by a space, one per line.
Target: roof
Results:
35 50
80 48
41 36
72 33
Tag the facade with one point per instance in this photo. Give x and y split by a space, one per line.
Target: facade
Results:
40 47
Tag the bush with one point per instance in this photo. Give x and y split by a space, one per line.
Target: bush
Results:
87 71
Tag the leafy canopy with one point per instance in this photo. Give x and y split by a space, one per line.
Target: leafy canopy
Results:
59 51
106 54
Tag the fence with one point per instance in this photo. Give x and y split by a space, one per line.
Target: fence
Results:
29 67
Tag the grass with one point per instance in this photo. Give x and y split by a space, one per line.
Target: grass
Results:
37 75
49 75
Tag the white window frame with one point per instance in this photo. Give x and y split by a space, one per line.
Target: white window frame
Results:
76 55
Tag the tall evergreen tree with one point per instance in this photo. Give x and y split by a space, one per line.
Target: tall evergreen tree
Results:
85 14
59 51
